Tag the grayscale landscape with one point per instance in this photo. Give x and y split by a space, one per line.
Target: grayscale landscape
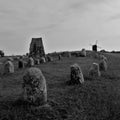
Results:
59 60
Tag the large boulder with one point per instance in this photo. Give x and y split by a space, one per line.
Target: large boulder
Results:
34 87
8 67
94 70
103 65
76 74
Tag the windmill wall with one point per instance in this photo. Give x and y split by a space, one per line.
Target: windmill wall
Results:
36 47
94 48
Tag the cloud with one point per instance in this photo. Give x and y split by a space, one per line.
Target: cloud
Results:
114 17
58 20
40 14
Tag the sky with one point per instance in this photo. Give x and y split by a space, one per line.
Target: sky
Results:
63 24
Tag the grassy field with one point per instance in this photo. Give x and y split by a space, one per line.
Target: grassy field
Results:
96 99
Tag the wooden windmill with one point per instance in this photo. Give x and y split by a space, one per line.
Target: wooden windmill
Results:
95 46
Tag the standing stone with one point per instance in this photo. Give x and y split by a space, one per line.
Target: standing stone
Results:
2 54
37 48
77 54
42 60
26 63
96 55
30 62
37 61
103 65
10 59
83 53
76 74
59 57
102 57
49 59
16 58
94 70
20 63
34 87
69 55
9 67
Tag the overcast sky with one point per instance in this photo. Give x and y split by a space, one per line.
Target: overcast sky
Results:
63 24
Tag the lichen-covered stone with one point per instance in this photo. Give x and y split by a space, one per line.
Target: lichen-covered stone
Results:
76 74
8 67
94 70
34 86
103 65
